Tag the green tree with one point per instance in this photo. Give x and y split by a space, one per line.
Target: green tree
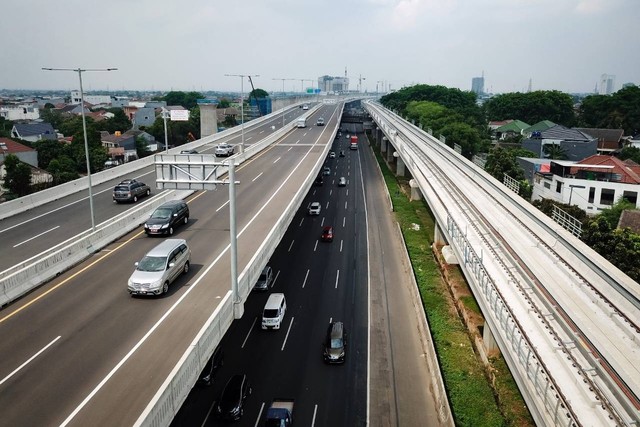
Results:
613 213
52 116
18 176
119 122
501 161
177 132
63 169
467 137
5 127
47 151
630 153
188 100
142 148
224 103
618 111
258 93
532 107
554 152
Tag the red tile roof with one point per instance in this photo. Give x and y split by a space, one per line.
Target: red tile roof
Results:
627 169
15 147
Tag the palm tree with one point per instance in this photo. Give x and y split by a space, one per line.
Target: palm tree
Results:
554 152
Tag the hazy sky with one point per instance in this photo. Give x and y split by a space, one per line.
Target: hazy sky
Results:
191 44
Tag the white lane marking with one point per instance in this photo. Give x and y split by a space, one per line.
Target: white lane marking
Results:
347 191
289 148
261 132
29 360
327 207
301 221
259 415
206 418
330 319
315 247
345 205
36 236
259 175
287 336
330 192
337 278
291 245
62 207
341 245
249 333
298 140
315 411
276 160
344 220
275 279
306 276
246 139
322 222
222 206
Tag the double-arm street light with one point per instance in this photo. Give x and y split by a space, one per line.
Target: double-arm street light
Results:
84 129
283 80
242 76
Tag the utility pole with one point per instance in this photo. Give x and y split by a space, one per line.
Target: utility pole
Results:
84 129
283 80
242 76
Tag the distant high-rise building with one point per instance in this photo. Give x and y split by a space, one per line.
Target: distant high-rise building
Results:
607 82
477 85
333 84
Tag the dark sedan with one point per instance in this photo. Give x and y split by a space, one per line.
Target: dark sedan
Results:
230 406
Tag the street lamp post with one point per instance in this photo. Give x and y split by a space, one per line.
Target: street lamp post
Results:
84 130
242 76
283 98
165 113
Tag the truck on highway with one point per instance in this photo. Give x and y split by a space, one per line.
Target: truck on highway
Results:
301 122
353 142
280 413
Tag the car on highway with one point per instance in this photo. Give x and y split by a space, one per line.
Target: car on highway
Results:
327 234
211 368
341 153
332 154
160 267
192 151
166 217
326 170
314 208
274 310
265 279
224 150
305 107
335 343
320 122
319 181
130 190
230 405
342 181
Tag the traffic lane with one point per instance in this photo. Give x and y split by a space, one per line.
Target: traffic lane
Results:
292 279
103 403
40 228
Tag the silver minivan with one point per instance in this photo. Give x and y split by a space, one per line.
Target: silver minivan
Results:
159 267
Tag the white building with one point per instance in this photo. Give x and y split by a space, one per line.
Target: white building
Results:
607 83
592 184
20 112
91 99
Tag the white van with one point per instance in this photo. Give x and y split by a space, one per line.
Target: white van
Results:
301 122
273 312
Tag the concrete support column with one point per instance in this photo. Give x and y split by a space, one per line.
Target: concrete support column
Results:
379 136
208 119
390 153
400 167
488 340
438 237
383 144
415 190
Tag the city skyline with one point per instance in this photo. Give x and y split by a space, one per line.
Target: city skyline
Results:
168 46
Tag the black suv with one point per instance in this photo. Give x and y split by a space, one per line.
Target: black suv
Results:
130 190
166 217
230 406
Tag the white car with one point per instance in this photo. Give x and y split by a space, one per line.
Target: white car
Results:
314 208
305 107
332 154
159 267
224 150
342 182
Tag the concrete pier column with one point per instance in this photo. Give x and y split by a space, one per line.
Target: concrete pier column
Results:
488 340
208 119
438 237
400 167
383 144
416 194
379 136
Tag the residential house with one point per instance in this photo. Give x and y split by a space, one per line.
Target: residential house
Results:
495 124
152 144
15 113
511 129
144 117
630 219
119 146
574 144
593 184
609 140
538 127
92 99
26 155
33 132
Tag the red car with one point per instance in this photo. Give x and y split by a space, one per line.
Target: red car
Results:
327 234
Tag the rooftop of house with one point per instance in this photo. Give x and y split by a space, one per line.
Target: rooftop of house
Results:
628 170
564 133
630 218
513 126
13 147
540 126
31 129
